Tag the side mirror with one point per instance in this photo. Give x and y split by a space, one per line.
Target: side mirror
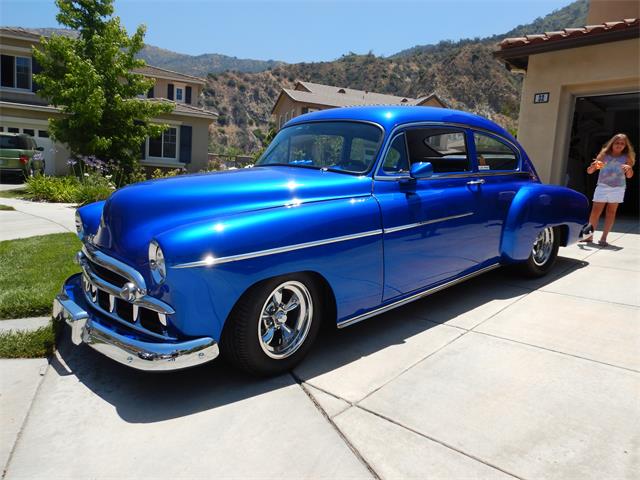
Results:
421 170
40 149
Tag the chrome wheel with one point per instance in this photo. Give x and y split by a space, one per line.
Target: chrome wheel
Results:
285 319
543 247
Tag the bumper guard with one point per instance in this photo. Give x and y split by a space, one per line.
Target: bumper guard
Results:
128 351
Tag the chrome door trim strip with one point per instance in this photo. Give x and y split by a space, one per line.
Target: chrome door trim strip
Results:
210 261
426 222
404 301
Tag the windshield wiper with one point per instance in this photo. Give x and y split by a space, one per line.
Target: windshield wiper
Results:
298 165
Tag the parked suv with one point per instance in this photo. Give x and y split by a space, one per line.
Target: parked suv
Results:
19 153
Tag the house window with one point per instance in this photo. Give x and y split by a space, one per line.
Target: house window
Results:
28 131
164 146
15 72
13 130
43 134
179 94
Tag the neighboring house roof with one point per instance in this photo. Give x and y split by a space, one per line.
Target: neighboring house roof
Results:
157 72
18 32
186 109
332 96
515 51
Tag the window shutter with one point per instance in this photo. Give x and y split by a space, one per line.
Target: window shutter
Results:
35 68
150 93
170 91
143 150
185 143
187 95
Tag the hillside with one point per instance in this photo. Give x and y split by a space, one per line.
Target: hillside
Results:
464 74
198 65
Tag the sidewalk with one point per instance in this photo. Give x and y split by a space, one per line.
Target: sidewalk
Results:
35 218
498 377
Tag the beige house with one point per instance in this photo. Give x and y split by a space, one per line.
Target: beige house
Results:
183 144
581 86
308 97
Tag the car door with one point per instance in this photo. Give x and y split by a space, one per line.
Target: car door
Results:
429 224
499 177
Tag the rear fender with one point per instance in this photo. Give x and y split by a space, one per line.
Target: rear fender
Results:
536 207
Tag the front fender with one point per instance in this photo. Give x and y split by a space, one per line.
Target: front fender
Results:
212 263
538 206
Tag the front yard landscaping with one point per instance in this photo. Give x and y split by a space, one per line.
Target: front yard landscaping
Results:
6 207
32 271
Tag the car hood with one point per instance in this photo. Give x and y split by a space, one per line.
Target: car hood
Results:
134 215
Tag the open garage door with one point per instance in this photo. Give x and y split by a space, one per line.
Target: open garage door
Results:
596 119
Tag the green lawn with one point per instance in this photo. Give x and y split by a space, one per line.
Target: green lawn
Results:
32 271
6 207
34 344
16 193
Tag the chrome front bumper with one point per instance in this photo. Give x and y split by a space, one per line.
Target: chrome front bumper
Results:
129 351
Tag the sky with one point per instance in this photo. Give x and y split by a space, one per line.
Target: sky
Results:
300 30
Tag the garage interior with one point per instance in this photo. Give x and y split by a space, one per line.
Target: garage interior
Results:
596 119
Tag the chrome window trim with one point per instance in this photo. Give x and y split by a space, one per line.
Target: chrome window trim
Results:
426 222
274 251
466 127
404 301
500 138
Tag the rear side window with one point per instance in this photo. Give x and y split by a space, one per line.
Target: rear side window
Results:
7 141
444 148
494 154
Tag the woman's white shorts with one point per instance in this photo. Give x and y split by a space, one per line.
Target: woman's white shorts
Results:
607 194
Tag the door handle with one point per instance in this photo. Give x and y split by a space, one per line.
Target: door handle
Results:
480 181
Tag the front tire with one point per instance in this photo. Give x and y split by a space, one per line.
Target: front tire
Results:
543 253
273 325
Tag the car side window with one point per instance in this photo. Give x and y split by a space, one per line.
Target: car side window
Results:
494 154
444 148
396 160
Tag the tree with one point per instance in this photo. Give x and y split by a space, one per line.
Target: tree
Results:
90 77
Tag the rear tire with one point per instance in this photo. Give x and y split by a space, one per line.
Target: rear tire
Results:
273 325
543 253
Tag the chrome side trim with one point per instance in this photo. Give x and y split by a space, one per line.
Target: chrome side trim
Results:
426 222
273 251
117 266
404 301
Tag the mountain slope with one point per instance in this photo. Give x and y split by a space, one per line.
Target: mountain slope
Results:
464 74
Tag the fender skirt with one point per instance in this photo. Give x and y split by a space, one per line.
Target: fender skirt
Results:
536 207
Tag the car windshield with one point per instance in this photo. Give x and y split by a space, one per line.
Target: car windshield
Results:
348 147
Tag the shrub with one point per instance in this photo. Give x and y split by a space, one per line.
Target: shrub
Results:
91 187
52 189
159 173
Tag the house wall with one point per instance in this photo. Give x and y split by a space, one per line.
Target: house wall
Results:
544 128
161 86
288 106
20 48
199 142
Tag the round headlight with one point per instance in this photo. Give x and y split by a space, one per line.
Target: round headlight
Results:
79 226
156 262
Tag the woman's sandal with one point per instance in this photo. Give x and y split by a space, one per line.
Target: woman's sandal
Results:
603 243
588 239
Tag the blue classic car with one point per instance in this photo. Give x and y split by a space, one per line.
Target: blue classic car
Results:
349 213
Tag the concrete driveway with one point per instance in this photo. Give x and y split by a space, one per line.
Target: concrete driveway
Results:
499 377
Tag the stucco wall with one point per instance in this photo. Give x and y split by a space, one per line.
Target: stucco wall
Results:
544 128
160 89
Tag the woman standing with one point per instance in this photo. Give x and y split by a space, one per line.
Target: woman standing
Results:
615 163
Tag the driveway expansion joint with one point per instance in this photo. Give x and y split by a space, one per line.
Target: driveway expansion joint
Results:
351 447
440 442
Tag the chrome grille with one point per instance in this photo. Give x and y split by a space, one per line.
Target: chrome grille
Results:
120 298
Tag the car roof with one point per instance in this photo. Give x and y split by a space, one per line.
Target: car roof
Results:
390 117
